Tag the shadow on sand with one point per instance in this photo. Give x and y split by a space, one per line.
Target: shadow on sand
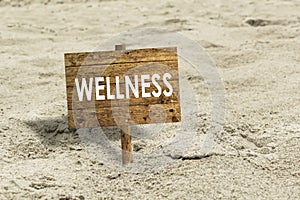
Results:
55 132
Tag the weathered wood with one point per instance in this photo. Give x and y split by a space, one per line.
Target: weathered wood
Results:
131 110
122 116
124 56
129 69
122 62
123 102
120 47
125 132
126 144
73 97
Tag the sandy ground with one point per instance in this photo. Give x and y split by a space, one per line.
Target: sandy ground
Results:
258 152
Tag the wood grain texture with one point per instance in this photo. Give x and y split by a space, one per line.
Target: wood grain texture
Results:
125 132
120 63
72 96
129 69
124 56
127 115
126 144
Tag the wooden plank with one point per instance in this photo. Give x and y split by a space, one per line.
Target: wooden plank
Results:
129 69
119 63
122 116
125 56
124 102
72 97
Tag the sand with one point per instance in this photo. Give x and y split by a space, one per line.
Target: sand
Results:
255 45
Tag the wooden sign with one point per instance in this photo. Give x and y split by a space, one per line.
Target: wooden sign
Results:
123 87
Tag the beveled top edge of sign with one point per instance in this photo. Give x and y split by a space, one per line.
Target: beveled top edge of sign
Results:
171 49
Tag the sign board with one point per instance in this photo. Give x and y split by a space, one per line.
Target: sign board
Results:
125 87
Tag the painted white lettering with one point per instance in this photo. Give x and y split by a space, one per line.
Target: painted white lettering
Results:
84 88
134 89
154 93
109 96
99 87
166 82
145 85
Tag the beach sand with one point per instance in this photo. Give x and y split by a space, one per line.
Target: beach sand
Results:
256 48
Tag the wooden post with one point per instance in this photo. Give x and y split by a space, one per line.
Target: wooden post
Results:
126 145
125 131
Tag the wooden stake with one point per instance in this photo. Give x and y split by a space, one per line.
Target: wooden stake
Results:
125 131
126 145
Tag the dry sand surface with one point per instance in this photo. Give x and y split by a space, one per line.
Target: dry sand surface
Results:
256 47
